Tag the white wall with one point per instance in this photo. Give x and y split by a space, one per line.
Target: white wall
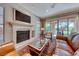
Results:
35 23
9 16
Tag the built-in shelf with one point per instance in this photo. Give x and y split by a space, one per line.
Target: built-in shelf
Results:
20 23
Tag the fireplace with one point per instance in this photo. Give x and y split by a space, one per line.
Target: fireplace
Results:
22 33
22 36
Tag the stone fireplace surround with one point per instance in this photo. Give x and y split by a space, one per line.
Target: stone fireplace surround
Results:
21 26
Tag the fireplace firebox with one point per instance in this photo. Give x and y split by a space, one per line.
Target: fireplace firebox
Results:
22 36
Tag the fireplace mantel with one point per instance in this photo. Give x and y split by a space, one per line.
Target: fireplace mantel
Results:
20 26
19 23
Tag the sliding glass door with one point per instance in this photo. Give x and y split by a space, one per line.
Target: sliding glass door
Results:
64 26
72 26
48 27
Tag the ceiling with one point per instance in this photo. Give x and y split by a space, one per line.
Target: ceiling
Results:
49 9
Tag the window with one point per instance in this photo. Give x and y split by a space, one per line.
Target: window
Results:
48 27
71 26
1 26
37 29
64 26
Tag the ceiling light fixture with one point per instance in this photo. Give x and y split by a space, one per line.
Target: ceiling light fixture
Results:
46 10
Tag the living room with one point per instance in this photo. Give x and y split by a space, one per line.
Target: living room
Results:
32 29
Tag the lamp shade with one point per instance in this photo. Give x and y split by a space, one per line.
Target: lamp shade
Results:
42 28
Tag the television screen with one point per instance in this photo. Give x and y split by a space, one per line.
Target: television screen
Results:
22 17
23 35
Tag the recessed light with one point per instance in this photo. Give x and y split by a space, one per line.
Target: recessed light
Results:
46 10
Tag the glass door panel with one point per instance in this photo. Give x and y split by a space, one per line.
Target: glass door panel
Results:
71 25
63 27
48 27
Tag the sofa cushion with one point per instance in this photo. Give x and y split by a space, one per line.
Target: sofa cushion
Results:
76 52
72 35
63 45
60 41
61 52
75 42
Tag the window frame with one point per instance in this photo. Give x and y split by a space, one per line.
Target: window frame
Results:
50 27
68 21
3 26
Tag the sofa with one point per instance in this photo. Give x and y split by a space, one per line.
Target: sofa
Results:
67 46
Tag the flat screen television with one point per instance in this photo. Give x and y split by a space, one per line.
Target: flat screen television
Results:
22 17
22 36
